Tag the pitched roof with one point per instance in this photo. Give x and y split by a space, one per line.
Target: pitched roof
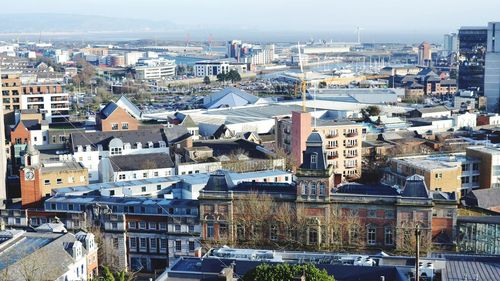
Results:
131 108
136 162
433 109
155 135
108 110
229 97
314 147
28 124
483 198
188 122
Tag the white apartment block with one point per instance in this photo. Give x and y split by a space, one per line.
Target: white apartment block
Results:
53 106
213 68
155 69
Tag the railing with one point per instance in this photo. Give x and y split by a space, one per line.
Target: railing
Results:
331 157
351 156
331 146
351 145
331 136
352 134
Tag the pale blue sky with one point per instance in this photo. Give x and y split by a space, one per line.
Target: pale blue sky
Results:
381 15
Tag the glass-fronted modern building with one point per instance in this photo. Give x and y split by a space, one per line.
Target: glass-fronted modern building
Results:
472 49
479 235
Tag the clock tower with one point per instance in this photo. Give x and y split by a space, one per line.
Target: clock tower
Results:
30 177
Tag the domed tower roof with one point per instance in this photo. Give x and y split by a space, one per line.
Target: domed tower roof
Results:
314 156
314 139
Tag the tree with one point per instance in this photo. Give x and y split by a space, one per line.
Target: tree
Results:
287 272
222 77
373 110
234 76
322 84
108 275
206 80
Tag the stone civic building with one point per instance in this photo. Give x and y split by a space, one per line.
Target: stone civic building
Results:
313 214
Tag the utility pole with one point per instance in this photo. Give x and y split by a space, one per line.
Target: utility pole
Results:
417 252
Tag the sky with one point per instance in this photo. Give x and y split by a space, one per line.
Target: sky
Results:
373 16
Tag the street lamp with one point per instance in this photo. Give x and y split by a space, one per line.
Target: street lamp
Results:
417 251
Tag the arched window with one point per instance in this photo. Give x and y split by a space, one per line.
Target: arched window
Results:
313 188
304 189
313 236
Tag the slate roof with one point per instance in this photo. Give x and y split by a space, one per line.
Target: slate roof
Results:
49 252
108 110
363 189
187 266
314 146
136 162
415 187
131 108
433 109
483 198
471 268
167 134
227 147
29 124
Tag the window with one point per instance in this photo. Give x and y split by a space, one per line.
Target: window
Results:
191 229
145 175
163 226
153 244
389 214
439 175
178 246
124 126
322 189
304 189
142 225
313 189
372 213
121 176
163 244
313 236
158 187
133 243
152 225
116 151
210 231
177 228
111 193
371 235
132 225
143 189
388 235
46 182
70 207
114 126
314 158
142 243
71 179
115 243
273 233
475 166
59 181
191 245
114 225
475 179
465 179
156 174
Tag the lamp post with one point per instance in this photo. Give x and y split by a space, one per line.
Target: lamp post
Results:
417 251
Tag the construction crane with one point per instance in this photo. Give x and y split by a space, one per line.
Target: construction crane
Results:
302 81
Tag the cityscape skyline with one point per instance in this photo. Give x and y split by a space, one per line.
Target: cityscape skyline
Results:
223 19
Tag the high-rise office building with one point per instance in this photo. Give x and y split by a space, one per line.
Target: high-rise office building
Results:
492 68
450 44
472 50
424 54
3 159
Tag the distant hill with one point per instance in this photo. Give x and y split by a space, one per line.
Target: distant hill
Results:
76 23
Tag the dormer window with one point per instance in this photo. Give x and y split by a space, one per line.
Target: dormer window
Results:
314 158
150 144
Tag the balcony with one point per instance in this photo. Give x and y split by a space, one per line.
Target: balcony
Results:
352 134
331 157
350 166
351 156
331 136
351 145
332 146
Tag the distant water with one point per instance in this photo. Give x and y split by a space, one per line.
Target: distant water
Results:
184 60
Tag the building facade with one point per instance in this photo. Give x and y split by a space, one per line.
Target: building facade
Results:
472 49
492 68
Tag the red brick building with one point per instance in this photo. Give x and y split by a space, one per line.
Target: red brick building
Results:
114 118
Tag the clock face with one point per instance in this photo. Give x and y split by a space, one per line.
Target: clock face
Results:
29 175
